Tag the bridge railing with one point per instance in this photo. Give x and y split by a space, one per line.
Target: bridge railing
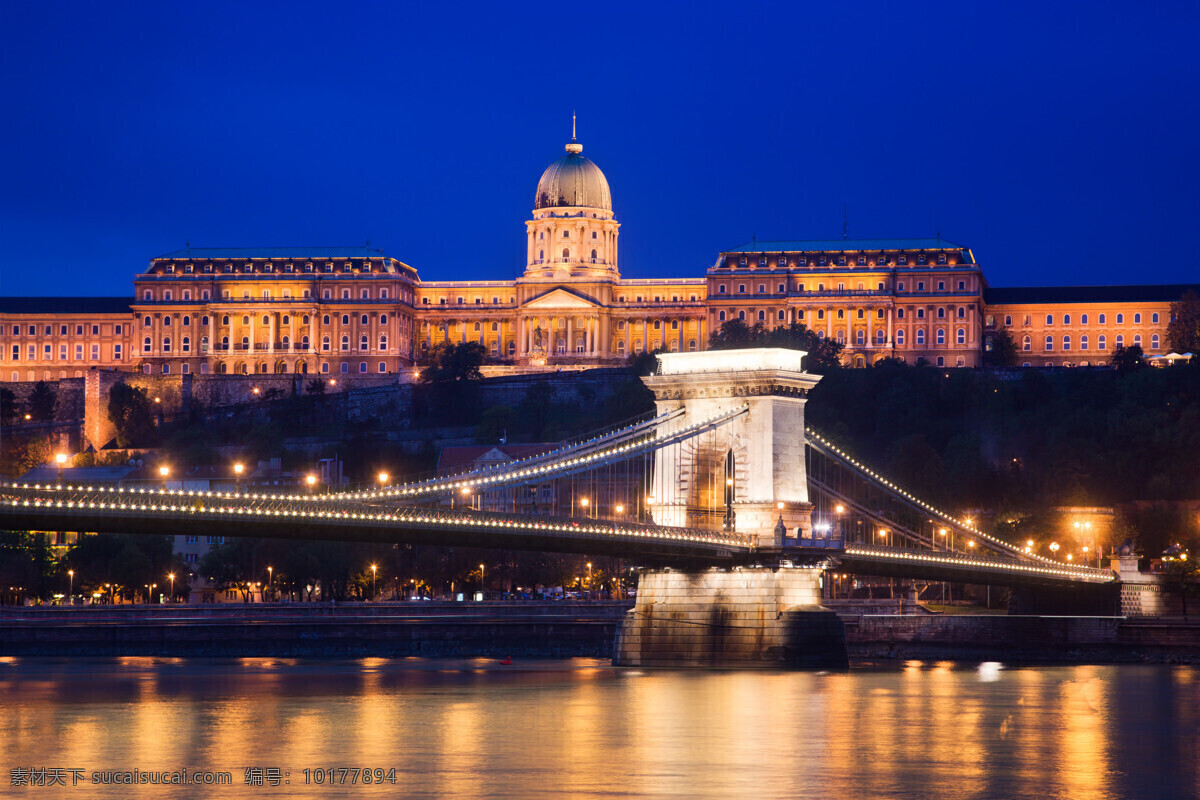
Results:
980 562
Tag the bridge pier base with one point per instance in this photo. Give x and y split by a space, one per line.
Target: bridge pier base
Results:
763 617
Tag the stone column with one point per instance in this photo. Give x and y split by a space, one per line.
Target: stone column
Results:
571 335
889 326
870 332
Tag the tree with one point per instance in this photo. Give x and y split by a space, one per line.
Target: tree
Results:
643 363
8 406
1128 359
1000 349
315 386
1179 573
1183 331
43 401
132 413
452 363
823 354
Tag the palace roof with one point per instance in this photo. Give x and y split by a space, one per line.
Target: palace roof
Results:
65 305
203 253
846 245
1142 293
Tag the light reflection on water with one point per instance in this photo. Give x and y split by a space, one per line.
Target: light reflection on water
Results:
581 729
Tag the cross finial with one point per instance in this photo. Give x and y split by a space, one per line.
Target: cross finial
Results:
572 126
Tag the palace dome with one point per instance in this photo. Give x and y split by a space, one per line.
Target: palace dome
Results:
573 181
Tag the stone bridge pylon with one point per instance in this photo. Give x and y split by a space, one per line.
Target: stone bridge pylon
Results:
751 468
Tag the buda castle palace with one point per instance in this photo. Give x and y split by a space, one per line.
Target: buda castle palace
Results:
345 311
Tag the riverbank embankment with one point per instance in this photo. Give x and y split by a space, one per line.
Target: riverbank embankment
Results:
535 629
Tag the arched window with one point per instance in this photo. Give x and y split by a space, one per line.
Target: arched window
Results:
1137 340
363 344
325 343
1120 319
304 320
860 338
187 321
383 319
742 316
345 319
225 320
1066 343
325 320
224 342
304 343
363 320
920 313
1154 318
566 254
383 342
204 321
286 320
900 338
266 324
720 317
880 337
146 345
1102 317
1083 342
1008 320
541 255
1049 343
1154 341
285 341
167 321
146 323
185 344
561 346
841 337
941 336
1049 319
1137 319
166 348
961 336
691 344
1066 319
1100 343
203 344
621 348
245 321
345 343
1026 344
1083 319
962 313
245 346
941 313
762 315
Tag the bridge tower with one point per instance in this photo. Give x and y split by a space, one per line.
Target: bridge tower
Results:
756 461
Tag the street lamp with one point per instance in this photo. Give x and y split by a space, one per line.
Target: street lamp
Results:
311 480
164 471
620 509
1054 548
883 532
71 575
61 458
584 503
481 580
373 571
589 577
237 475
383 479
171 575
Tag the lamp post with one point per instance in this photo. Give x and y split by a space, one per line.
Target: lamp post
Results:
481 581
171 575
1054 548
883 532
164 471
589 579
942 532
583 502
311 480
237 476
61 458
271 579
374 568
383 478
71 585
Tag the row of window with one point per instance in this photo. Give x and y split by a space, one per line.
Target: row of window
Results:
250 267
1083 319
48 353
566 235
1101 342
781 314
186 321
841 287
263 368
845 261
185 344
48 330
327 294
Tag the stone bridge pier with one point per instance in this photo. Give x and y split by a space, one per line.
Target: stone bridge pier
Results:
752 468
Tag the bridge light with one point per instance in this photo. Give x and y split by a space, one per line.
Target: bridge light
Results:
841 509
971 543
383 478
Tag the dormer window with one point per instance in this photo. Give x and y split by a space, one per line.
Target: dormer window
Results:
308 267
821 261
208 267
942 258
762 262
268 267
170 268
229 267
902 260
921 259
189 269
346 267
841 261
862 261
742 262
802 261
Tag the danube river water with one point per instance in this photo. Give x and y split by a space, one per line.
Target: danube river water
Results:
582 729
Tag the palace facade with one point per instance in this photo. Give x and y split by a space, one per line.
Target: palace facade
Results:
353 311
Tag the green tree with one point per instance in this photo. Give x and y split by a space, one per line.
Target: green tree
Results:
643 363
8 406
1128 359
447 362
1000 349
823 356
1179 573
315 386
1183 331
132 413
43 401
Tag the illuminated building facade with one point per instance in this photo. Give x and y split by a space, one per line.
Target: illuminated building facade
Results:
355 311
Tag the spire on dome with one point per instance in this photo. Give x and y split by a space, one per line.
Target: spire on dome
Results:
573 146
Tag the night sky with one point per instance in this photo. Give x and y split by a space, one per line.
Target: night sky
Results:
1058 140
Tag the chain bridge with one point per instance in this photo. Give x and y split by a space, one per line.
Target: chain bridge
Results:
724 479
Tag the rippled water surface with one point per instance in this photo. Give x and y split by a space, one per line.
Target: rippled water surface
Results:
582 729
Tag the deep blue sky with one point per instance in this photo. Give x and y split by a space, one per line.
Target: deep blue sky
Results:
1057 140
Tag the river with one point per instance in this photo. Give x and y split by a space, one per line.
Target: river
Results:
582 729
